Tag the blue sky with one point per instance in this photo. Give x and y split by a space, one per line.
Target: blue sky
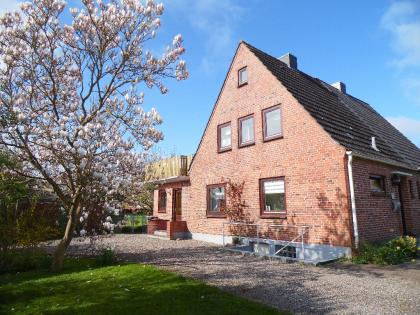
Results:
372 46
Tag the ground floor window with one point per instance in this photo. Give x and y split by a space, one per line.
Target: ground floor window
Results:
418 189
377 184
272 191
411 188
216 200
162 201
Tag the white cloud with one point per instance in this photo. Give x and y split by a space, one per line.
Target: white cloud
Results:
410 127
215 21
8 5
411 88
402 20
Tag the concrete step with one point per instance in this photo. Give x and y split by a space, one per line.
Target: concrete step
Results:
161 233
158 237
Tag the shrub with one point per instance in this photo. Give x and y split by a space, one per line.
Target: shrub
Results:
396 251
129 229
106 258
20 260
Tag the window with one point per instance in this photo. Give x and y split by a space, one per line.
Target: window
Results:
411 188
273 203
289 251
272 123
242 76
246 131
418 189
377 184
224 137
216 200
162 201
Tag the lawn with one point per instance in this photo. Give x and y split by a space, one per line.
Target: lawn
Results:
123 289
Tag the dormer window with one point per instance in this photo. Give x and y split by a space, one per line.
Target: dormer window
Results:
224 135
242 76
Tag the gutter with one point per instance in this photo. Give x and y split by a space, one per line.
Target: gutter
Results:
352 198
386 161
170 180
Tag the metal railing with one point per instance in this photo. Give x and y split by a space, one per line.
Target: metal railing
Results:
302 230
301 235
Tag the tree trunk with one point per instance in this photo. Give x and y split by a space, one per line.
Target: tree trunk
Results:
58 259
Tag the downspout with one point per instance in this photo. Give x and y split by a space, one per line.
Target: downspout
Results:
353 198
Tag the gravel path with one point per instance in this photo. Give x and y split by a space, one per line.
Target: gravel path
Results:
302 289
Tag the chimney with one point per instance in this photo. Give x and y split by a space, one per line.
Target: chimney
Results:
339 86
289 60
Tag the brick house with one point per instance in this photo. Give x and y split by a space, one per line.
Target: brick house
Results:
313 159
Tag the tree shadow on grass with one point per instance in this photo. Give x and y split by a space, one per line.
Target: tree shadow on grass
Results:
130 289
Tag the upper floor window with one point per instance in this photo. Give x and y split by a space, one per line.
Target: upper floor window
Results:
224 137
162 201
216 200
246 131
272 123
272 193
377 184
242 76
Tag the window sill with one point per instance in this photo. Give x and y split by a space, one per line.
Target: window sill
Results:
245 145
242 84
161 211
224 150
378 193
273 216
216 215
273 138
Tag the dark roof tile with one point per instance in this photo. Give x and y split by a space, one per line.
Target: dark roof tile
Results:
349 121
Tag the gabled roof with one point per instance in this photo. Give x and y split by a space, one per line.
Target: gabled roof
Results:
349 121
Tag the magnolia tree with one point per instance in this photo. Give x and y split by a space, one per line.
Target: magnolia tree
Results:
71 109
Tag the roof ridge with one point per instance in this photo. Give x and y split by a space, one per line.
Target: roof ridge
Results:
324 104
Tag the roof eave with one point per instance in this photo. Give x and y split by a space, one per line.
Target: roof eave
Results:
170 180
385 161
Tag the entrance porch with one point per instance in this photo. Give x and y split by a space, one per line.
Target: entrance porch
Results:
167 221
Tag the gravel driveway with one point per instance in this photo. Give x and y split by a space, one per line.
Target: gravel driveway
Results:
332 289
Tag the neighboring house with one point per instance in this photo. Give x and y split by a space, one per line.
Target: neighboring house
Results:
310 155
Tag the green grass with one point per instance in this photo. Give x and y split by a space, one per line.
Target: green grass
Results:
123 289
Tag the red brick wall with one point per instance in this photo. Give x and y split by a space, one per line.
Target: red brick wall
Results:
167 215
176 227
376 220
313 164
156 225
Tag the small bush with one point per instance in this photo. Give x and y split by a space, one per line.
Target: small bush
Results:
20 260
106 258
137 229
396 251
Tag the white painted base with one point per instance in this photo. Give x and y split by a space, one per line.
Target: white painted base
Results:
313 253
211 238
321 253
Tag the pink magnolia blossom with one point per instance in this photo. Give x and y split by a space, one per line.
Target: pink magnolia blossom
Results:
71 105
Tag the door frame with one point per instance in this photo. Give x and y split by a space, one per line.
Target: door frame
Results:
174 191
